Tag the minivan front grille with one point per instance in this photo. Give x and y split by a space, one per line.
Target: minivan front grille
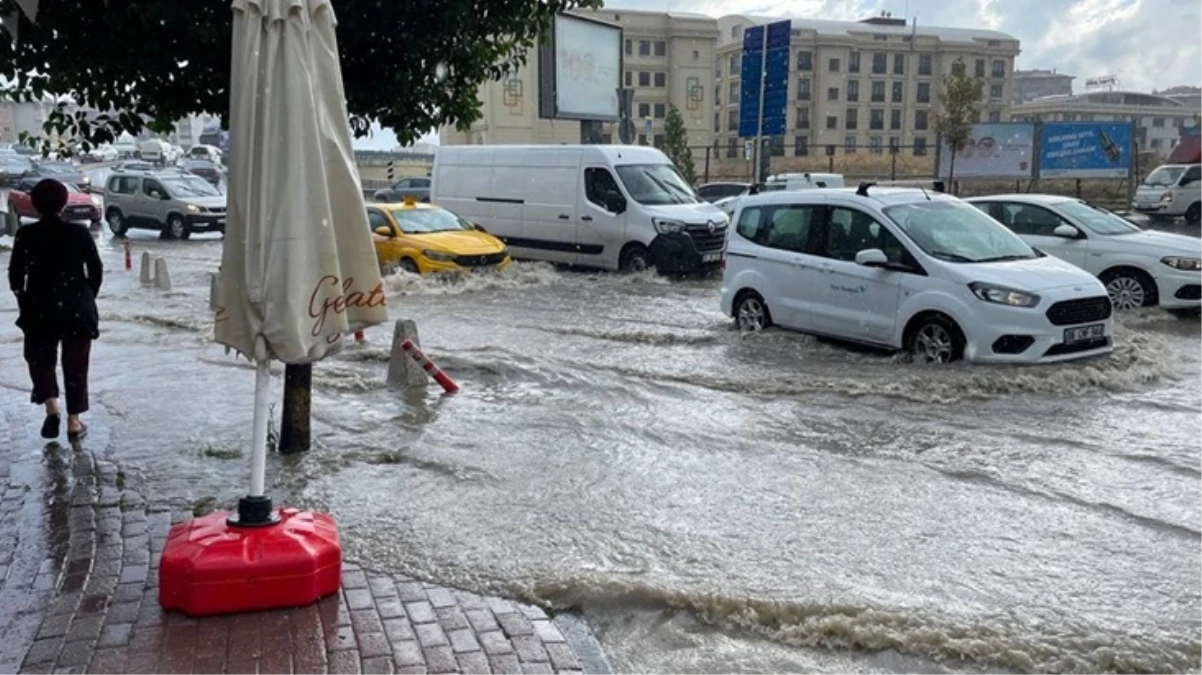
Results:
480 260
707 240
1085 310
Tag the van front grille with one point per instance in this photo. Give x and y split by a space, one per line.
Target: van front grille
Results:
1085 310
707 240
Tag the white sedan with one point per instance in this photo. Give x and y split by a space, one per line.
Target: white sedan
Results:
1140 268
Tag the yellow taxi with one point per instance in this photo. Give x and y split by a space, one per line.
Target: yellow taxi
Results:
423 239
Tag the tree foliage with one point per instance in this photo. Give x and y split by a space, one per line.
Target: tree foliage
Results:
959 109
676 144
412 65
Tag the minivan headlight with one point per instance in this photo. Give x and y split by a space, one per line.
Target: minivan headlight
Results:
192 208
438 256
1186 264
1002 295
664 226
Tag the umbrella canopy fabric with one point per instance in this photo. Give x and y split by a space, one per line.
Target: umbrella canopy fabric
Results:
298 270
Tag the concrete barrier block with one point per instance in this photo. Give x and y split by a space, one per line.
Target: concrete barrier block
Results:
403 371
147 274
162 277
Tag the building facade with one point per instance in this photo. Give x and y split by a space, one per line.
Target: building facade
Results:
1158 119
667 60
863 85
1032 84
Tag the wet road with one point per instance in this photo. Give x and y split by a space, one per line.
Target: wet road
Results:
713 502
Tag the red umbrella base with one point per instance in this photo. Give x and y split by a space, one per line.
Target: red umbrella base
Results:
210 567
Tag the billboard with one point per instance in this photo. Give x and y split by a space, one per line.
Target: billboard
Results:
580 71
1085 150
1000 150
765 57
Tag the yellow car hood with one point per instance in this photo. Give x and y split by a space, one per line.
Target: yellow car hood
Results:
457 243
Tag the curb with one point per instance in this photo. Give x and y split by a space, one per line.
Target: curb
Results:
583 642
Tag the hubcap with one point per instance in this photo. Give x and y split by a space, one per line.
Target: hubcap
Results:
751 315
114 221
177 228
1125 293
638 264
933 344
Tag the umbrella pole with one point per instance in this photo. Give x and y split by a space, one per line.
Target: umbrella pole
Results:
254 510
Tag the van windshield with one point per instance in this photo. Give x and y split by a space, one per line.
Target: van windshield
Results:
655 184
190 186
1164 176
957 232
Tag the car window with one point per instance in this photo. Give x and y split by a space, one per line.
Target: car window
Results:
26 185
786 226
376 220
149 185
850 231
1030 220
597 183
1192 175
421 182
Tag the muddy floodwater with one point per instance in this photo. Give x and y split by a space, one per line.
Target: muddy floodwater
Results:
710 501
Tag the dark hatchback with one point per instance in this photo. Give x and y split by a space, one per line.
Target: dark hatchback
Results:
205 169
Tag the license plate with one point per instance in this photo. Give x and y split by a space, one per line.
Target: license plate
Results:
1084 333
221 221
711 257
483 269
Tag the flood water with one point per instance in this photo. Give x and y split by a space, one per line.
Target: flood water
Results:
712 502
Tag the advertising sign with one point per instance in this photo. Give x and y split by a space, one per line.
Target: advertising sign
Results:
772 66
588 68
993 151
1085 150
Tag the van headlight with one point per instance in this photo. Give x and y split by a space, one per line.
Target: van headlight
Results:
1166 197
438 256
1184 264
192 208
665 226
1002 295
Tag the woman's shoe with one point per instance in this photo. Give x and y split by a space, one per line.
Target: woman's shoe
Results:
50 427
76 436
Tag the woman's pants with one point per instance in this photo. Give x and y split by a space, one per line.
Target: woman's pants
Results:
41 353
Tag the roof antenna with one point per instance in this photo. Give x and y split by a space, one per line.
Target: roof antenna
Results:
924 193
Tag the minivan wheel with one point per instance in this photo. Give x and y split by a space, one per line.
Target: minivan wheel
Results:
635 259
116 223
1194 213
936 339
1128 289
177 228
751 313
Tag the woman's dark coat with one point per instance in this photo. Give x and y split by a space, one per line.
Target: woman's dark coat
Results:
55 272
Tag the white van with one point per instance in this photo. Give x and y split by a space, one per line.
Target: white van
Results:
154 151
802 181
607 206
1171 191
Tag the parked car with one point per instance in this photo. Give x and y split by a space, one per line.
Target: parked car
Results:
802 181
100 153
125 149
205 152
905 269
65 172
422 239
154 151
1171 191
173 202
415 187
605 206
205 169
712 192
135 165
14 167
80 205
1139 268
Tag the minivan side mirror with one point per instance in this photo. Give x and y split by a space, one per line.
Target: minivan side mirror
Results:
615 202
1066 231
872 257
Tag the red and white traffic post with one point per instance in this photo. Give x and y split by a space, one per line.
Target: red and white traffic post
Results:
448 385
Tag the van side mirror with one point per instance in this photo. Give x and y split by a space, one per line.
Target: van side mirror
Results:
615 202
872 257
1066 231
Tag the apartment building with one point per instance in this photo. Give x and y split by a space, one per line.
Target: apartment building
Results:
863 85
667 60
1158 119
1032 84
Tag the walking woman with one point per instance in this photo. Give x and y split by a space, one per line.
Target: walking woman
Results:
55 273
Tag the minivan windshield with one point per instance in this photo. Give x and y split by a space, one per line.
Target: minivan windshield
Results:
1164 176
958 232
1099 221
655 184
190 186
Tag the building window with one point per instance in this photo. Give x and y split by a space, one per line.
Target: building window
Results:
661 79
660 110
642 139
880 38
644 48
921 120
659 140
696 55
644 79
849 145
736 63
895 120
1158 122
801 146
923 93
995 92
717 122
853 62
876 119
979 70
924 64
803 89
630 46
880 63
732 148
853 119
959 69
875 143
878 92
734 30
1155 143
853 91
607 139
832 122
894 144
734 93
732 120
776 146
995 116
897 92
717 96
661 48
805 61
899 64
629 78
834 65
832 94
920 146
803 118
644 110
999 68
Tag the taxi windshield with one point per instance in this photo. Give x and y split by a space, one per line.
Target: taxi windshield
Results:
427 221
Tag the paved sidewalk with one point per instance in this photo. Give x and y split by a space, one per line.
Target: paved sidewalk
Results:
79 553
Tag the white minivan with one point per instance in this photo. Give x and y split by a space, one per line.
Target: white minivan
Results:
1171 191
606 206
912 270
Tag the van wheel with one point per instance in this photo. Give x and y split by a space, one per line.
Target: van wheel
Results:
751 313
1194 213
935 339
177 228
635 259
409 266
116 222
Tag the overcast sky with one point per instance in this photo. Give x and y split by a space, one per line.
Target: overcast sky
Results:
1147 44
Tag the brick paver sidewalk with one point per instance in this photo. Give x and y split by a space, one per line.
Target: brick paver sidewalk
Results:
79 552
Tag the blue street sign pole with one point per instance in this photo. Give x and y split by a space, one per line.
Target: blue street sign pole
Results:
759 125
764 98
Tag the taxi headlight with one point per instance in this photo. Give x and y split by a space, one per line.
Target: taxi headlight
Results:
438 256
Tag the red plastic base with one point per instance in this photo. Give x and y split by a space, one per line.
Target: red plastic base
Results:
209 567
